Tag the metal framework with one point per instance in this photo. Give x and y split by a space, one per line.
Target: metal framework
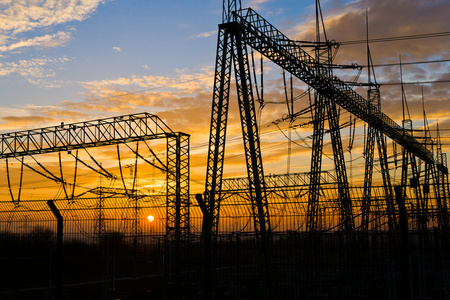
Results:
101 132
263 37
278 180
245 27
178 203
112 131
288 199
231 48
375 136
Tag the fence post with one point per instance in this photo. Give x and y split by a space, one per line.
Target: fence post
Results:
59 236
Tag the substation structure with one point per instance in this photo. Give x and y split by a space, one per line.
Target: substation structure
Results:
136 128
289 236
245 28
111 250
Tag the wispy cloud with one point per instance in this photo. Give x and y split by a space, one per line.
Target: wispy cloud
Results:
46 41
389 18
117 49
34 68
206 34
23 16
185 82
256 3
21 27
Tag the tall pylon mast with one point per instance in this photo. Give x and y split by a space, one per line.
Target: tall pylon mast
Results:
242 28
232 50
326 108
375 136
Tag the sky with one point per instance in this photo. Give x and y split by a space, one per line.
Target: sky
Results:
77 60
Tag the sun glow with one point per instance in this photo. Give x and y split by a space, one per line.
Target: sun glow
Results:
150 218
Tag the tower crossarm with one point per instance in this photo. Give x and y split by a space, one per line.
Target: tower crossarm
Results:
270 42
101 132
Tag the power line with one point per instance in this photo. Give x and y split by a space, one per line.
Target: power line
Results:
397 38
396 83
416 82
411 63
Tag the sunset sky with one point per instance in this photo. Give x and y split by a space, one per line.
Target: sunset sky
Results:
76 60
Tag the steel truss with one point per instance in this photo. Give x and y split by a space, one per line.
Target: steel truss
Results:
245 26
290 180
231 48
265 38
112 131
178 203
288 196
375 136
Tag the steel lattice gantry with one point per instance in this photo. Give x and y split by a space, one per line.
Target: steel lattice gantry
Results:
112 131
88 134
245 27
178 204
265 38
232 49
374 136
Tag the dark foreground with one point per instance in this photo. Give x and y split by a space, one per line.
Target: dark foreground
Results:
323 266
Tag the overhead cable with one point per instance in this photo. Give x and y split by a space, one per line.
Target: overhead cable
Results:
397 38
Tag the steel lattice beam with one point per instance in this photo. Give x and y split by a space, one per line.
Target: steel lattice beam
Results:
219 114
346 212
265 38
312 221
250 136
232 49
290 180
111 131
387 184
178 203
101 132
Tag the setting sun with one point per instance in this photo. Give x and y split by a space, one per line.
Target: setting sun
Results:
150 218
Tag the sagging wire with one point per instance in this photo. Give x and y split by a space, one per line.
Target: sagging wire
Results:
298 114
249 217
51 176
120 169
107 174
11 216
16 202
63 182
77 221
290 116
352 128
135 169
259 99
162 169
254 77
296 98
281 213
75 176
309 146
281 130
133 190
58 193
